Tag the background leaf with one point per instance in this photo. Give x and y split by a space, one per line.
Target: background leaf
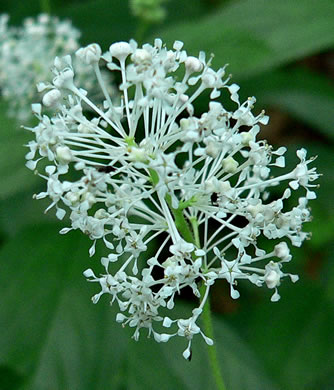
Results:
305 95
256 35
295 338
115 21
20 210
63 341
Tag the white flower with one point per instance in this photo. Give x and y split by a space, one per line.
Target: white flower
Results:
90 54
26 55
303 175
150 168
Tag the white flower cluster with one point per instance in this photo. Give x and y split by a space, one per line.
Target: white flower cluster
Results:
27 54
150 170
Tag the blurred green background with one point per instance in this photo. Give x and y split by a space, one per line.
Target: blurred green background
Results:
53 338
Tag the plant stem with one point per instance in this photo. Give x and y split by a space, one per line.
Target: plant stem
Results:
45 6
207 323
180 222
212 351
194 225
193 236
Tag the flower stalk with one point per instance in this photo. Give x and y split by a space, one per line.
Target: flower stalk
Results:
212 350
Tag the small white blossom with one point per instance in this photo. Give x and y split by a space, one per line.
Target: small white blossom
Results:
90 54
149 168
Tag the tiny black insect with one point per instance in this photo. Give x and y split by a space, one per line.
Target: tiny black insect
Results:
214 199
106 169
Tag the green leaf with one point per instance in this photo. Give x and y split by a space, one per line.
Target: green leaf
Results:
256 35
55 338
147 367
295 337
20 210
153 364
235 357
51 332
14 176
9 378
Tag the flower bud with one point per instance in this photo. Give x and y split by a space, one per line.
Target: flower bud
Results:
64 154
212 149
140 56
272 279
120 50
193 64
137 154
64 79
51 98
230 165
282 251
89 54
72 197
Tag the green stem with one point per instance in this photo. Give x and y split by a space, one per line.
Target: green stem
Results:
194 224
45 6
183 228
180 222
193 237
207 322
212 351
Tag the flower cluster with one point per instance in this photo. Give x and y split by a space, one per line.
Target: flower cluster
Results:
150 170
27 54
